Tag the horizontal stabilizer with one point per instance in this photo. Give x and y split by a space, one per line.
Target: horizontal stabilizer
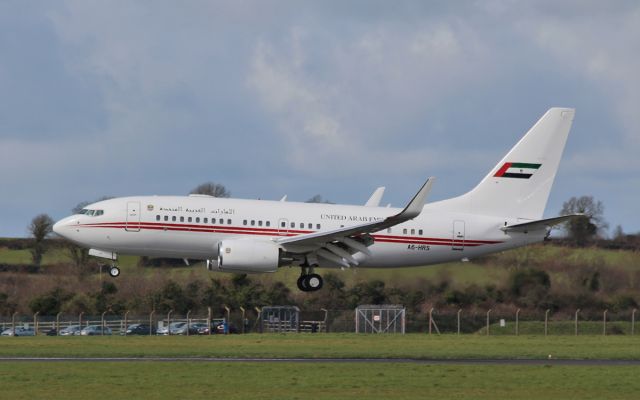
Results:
541 223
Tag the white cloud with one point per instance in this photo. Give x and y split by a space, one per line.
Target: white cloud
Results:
340 99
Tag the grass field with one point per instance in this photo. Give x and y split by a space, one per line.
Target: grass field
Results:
336 345
145 380
327 380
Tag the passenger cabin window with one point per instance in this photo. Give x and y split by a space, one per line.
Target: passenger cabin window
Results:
181 219
268 223
206 220
413 231
166 218
173 218
420 232
229 221
293 224
259 223
213 220
157 218
310 226
301 225
404 231
283 224
221 221
197 219
253 222
317 226
388 230
244 222
189 219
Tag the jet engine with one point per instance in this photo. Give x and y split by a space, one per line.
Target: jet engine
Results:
248 256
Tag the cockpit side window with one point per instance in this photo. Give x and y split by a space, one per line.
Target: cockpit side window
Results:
91 213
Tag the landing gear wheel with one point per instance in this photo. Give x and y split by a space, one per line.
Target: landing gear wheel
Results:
114 271
302 283
314 282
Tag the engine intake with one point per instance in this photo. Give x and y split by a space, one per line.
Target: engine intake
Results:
249 256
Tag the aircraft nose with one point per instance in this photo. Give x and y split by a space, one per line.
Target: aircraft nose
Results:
61 227
56 227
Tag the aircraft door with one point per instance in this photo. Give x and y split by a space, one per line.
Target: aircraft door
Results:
283 227
458 236
133 216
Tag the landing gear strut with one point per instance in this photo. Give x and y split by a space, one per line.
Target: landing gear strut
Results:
309 281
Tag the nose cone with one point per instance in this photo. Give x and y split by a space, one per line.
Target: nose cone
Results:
63 227
57 228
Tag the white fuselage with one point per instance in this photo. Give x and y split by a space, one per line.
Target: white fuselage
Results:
191 227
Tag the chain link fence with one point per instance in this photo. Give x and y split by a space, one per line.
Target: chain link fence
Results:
433 321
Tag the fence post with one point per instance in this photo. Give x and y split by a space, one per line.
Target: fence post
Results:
151 321
80 319
459 311
430 319
228 310
13 323
35 323
259 319
169 322
209 319
243 311
189 322
517 322
126 324
546 322
604 322
633 322
488 312
58 324
326 316
102 322
576 321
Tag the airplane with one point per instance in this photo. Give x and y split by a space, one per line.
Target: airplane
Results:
502 212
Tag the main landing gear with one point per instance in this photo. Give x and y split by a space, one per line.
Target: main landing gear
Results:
309 281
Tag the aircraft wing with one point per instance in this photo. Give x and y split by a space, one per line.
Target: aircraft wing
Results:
339 244
376 197
541 223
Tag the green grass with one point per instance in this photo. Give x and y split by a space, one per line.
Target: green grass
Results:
329 346
140 380
560 328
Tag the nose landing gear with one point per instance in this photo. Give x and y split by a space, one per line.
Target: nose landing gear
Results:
114 271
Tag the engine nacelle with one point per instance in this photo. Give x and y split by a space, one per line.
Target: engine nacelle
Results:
249 256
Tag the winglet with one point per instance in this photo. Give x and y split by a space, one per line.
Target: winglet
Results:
376 197
414 208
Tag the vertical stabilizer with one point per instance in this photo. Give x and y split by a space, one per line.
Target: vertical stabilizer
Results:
519 185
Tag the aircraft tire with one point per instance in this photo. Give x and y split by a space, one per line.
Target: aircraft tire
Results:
302 283
114 272
314 282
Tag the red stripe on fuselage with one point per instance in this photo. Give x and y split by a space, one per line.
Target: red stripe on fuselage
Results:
274 232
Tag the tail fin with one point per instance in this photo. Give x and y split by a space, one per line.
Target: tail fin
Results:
519 185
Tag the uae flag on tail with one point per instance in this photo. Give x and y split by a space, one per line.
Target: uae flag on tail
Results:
517 170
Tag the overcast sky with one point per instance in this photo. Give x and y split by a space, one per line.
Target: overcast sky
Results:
115 98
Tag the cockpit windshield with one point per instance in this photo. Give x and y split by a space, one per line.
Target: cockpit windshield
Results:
91 213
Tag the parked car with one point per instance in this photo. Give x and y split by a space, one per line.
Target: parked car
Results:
70 330
175 328
51 332
139 329
95 330
219 326
195 327
19 331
